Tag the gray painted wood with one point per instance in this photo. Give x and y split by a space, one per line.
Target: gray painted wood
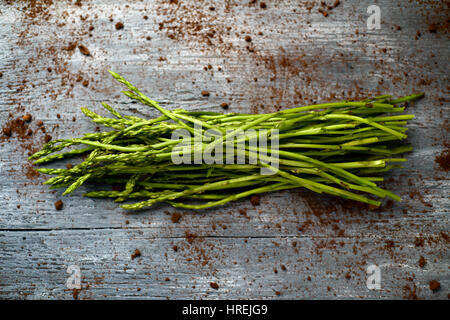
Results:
300 57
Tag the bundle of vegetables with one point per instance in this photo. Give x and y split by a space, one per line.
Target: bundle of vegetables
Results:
335 148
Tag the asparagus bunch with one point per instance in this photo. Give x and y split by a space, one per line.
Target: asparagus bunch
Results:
335 148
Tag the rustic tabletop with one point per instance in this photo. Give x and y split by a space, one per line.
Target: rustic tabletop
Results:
257 57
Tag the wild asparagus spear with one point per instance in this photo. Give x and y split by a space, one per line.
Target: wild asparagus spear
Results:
334 148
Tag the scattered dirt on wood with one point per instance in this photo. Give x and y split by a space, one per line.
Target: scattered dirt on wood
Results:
422 262
444 160
75 293
175 218
59 205
135 254
255 200
119 25
84 50
434 285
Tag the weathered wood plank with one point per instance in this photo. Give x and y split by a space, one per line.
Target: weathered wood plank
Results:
242 267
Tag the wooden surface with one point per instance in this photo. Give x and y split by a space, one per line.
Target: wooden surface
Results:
296 56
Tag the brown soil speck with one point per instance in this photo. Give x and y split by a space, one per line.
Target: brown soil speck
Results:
214 285
418 35
84 50
75 293
7 131
422 262
205 93
255 199
410 293
71 46
224 105
444 160
389 244
323 12
85 83
30 172
190 237
418 242
27 117
434 285
248 38
263 5
432 28
137 253
119 25
175 217
59 205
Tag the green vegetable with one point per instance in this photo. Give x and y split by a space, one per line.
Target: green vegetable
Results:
335 148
